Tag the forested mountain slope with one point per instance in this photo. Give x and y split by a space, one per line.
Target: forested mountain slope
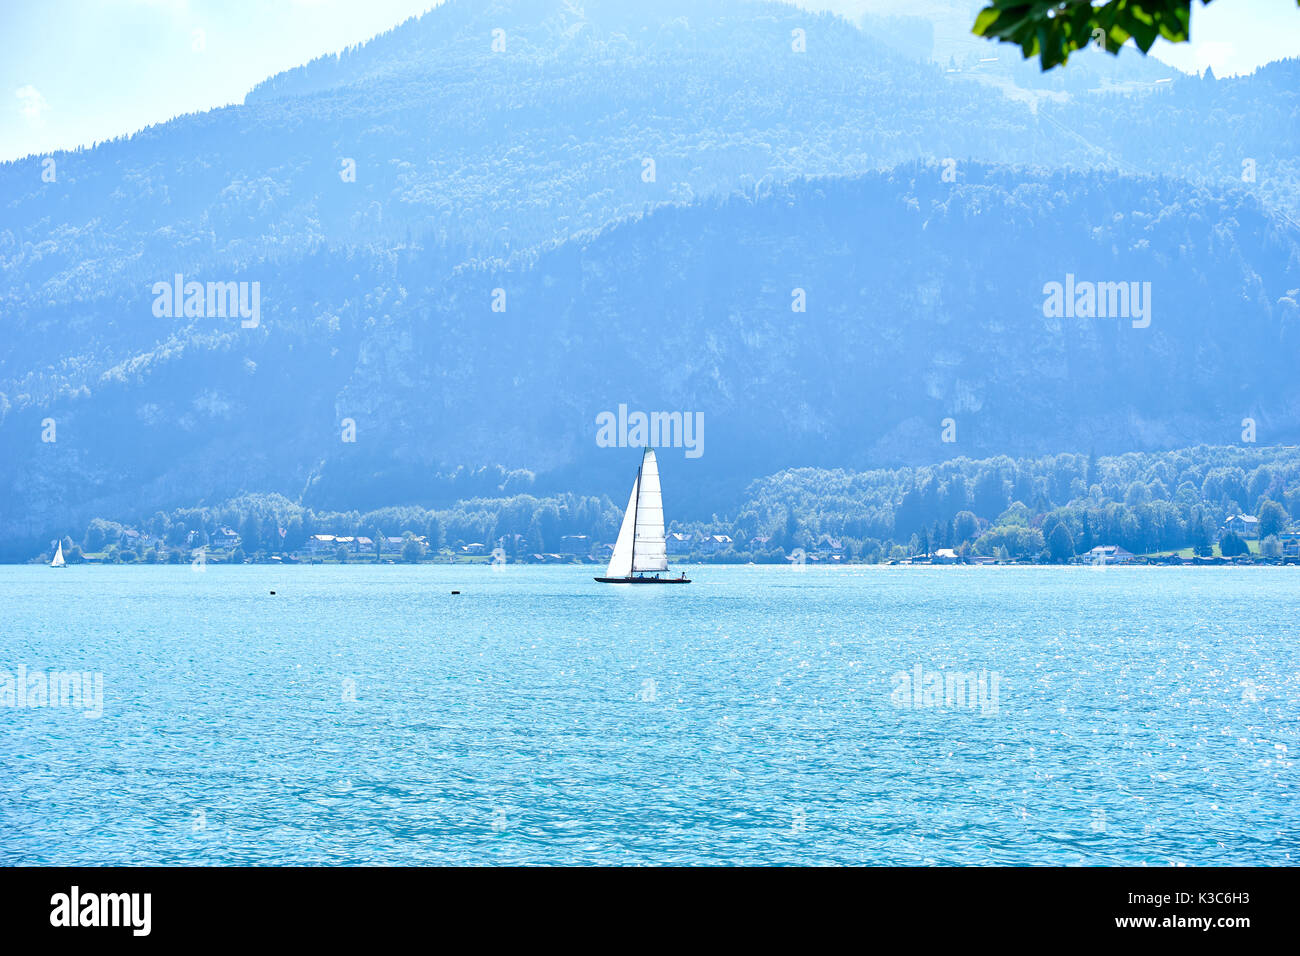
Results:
924 301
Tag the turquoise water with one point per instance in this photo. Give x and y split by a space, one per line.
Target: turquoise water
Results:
1143 715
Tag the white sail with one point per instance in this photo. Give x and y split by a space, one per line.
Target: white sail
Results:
620 564
649 552
58 561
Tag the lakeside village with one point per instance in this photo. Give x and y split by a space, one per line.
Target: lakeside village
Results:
1238 542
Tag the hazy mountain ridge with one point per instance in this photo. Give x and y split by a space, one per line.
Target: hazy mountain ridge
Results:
502 150
924 301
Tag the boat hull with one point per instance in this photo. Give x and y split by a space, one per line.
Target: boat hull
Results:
641 580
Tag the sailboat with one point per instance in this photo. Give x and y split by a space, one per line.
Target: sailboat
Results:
640 554
58 561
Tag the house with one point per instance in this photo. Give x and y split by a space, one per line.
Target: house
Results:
365 544
476 547
826 545
1108 554
945 556
1245 525
713 543
1290 544
679 543
761 542
141 541
224 538
512 543
575 544
321 543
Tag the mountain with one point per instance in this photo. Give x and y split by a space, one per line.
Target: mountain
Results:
924 301
524 171
548 137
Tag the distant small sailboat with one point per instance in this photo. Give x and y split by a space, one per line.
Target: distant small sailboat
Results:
58 561
640 554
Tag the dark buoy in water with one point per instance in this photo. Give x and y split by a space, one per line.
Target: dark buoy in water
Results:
272 592
455 592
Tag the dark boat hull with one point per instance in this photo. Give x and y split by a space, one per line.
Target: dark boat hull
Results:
641 580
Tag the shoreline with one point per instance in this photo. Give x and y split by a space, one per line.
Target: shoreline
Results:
1137 563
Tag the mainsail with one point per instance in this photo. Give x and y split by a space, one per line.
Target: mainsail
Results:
58 561
640 545
649 552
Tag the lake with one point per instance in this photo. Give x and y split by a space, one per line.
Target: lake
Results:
761 715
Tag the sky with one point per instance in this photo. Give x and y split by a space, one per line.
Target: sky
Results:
76 72
73 72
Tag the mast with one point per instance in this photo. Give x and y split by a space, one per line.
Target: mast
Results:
636 511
